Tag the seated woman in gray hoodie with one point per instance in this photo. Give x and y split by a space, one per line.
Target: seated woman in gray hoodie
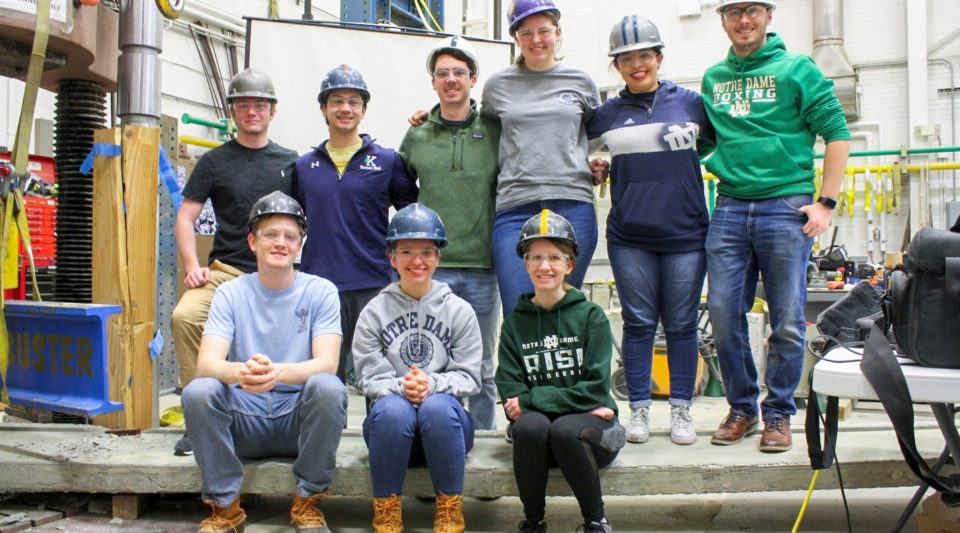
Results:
417 353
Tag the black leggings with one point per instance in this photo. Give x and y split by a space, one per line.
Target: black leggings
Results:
567 441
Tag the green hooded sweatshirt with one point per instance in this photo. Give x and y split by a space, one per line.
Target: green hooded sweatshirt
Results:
556 362
767 110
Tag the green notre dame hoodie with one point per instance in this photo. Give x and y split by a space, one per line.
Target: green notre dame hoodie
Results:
558 361
767 109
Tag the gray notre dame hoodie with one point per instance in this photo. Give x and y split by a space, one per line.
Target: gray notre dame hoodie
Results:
439 333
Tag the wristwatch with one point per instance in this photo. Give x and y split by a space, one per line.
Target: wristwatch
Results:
829 203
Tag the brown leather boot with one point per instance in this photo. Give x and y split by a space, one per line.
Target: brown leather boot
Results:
776 435
387 515
449 517
734 428
230 519
306 517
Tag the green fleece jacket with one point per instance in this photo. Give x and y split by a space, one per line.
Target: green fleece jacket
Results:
767 110
556 362
458 180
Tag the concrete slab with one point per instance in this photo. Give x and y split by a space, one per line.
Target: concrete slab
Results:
56 458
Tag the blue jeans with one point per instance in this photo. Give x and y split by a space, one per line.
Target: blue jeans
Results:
399 434
511 272
659 287
226 423
478 286
747 238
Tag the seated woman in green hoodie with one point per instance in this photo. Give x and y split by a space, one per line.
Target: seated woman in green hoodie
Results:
554 379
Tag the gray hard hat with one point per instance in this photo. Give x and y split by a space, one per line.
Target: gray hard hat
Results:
633 33
547 225
459 48
727 3
251 83
276 203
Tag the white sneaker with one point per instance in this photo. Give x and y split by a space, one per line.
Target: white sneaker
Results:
681 425
638 429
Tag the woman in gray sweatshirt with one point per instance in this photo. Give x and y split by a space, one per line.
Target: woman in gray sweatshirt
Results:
417 353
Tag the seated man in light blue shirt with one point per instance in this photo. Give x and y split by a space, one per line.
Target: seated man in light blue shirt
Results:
266 374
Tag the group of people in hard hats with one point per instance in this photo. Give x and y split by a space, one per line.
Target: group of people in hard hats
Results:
495 211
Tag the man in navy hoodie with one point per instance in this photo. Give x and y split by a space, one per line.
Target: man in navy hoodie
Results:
346 186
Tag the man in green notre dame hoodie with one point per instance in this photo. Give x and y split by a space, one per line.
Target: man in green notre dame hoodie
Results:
767 106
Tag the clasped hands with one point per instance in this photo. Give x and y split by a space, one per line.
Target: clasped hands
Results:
258 374
416 386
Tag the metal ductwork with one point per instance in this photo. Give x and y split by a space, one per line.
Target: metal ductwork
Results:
831 56
138 76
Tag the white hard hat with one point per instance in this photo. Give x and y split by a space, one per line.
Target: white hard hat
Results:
726 3
458 47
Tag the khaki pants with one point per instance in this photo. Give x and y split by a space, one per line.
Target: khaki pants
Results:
190 315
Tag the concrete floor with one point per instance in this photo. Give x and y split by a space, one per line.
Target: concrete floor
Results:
871 509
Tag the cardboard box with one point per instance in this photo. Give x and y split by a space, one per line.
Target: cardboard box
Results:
930 524
936 517
934 506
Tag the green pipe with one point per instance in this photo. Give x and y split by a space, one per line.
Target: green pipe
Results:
221 125
898 152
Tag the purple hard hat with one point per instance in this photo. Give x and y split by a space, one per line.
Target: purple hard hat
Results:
521 9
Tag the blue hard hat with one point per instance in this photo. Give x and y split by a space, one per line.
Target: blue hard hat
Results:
416 221
343 77
521 9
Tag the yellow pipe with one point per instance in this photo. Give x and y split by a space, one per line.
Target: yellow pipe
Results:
199 141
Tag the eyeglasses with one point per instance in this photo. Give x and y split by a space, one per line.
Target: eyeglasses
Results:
339 101
246 106
734 14
643 58
458 72
553 259
427 255
273 235
543 33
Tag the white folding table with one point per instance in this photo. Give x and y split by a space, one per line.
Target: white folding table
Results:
838 374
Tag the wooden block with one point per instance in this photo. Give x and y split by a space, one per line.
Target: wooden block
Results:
846 406
128 506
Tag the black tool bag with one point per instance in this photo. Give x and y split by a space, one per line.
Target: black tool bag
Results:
923 299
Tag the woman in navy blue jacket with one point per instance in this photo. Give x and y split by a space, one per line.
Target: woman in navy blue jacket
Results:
658 223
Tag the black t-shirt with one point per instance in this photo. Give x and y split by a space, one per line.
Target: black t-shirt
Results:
234 177
453 126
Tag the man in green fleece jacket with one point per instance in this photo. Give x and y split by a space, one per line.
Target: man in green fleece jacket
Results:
767 106
454 156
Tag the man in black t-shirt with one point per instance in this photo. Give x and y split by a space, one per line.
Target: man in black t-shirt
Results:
233 176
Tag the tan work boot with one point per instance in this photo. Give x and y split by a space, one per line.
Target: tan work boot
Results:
306 517
228 519
449 518
387 515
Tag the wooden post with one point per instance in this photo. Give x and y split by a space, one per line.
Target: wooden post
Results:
124 266
109 264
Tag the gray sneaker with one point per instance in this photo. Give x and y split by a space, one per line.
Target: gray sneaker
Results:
597 527
681 425
638 428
